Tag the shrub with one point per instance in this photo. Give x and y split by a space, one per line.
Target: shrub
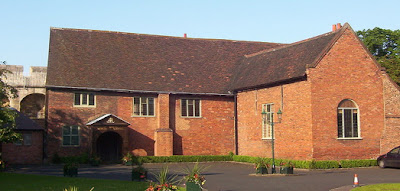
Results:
186 158
56 159
249 159
324 164
357 163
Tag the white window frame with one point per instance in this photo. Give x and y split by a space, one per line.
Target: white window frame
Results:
352 119
71 135
81 94
141 107
193 106
266 130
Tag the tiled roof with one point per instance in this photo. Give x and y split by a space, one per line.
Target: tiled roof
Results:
118 61
281 64
23 122
125 61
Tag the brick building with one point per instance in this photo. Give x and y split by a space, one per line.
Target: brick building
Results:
30 149
30 121
111 93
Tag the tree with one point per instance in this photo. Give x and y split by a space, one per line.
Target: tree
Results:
7 114
384 45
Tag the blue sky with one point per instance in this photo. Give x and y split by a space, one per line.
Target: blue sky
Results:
25 25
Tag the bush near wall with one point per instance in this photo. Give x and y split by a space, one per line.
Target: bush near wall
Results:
80 159
312 164
185 158
84 159
357 163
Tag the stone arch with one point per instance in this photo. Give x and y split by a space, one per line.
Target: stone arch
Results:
32 105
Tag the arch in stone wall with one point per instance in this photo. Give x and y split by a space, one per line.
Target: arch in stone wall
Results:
32 105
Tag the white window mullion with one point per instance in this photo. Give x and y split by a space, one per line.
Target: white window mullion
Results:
194 108
343 124
352 127
140 106
187 108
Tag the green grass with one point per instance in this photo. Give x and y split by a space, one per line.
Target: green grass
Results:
27 182
377 187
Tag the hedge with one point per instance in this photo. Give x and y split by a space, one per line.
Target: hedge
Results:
84 158
312 164
357 163
185 158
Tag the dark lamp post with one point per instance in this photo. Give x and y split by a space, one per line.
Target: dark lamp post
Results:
264 115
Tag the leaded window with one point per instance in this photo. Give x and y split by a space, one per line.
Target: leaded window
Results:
84 99
70 135
143 106
348 119
190 108
268 110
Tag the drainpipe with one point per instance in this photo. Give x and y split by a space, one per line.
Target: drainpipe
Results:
235 125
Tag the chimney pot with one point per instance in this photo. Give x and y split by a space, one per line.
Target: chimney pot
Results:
184 35
333 27
338 26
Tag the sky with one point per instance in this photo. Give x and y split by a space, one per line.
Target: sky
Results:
25 24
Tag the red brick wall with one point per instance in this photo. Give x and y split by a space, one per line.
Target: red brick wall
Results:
61 112
292 135
346 72
309 121
191 135
25 154
163 142
391 132
212 134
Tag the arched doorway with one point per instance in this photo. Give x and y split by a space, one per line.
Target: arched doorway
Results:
33 106
109 147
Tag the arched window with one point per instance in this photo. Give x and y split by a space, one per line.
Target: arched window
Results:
348 119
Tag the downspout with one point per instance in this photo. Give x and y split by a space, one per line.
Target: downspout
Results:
44 133
282 97
235 125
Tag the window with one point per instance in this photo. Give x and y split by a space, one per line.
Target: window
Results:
190 107
348 120
70 135
26 139
143 106
267 120
84 99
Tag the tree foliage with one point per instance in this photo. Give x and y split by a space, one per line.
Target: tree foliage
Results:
7 114
384 45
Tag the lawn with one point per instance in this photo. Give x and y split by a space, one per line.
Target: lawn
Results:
377 187
27 182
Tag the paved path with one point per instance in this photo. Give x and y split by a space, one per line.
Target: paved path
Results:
229 176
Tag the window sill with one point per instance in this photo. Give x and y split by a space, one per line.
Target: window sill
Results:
266 139
191 117
70 145
85 106
143 116
350 138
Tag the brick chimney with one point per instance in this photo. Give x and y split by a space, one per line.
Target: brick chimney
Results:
338 26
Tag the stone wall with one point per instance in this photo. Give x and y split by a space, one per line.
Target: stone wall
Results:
27 85
391 132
